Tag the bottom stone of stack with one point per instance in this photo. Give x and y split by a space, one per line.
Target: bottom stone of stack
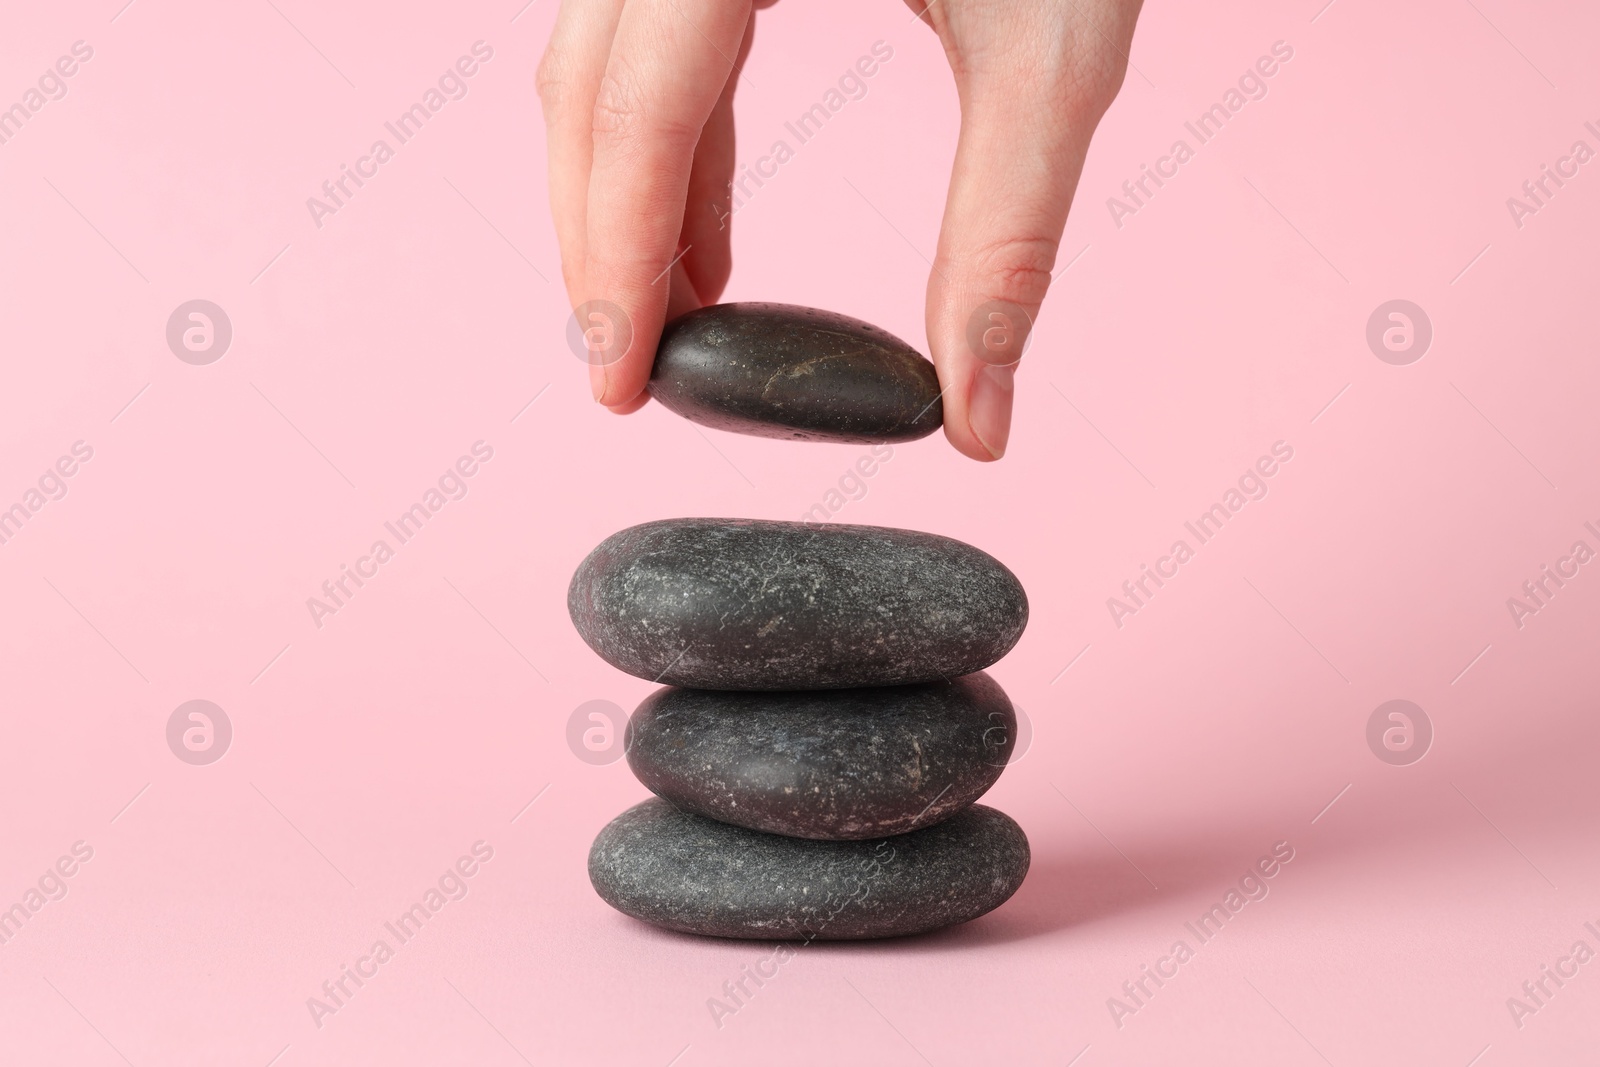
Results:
689 873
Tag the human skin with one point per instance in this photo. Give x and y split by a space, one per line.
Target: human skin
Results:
638 103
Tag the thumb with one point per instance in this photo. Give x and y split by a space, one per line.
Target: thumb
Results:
1016 167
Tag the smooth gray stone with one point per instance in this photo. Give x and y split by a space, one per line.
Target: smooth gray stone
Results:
836 765
689 873
752 604
777 370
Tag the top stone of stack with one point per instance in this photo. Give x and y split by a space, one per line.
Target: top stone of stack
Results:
756 605
797 373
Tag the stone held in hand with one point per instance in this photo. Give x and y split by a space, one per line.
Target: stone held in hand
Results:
797 373
759 605
692 874
840 765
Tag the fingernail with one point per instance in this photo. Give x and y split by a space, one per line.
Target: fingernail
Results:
989 407
599 333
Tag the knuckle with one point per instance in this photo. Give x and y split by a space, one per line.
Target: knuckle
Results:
1016 269
1096 68
551 83
1097 81
618 111
626 117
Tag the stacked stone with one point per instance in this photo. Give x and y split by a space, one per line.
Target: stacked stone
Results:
826 726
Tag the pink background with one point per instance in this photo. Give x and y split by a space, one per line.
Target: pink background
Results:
370 353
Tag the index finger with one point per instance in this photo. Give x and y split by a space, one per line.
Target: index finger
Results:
669 63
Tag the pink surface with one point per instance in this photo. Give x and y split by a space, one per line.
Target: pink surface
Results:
369 753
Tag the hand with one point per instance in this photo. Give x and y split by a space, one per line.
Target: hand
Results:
638 98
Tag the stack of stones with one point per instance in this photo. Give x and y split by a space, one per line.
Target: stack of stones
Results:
826 726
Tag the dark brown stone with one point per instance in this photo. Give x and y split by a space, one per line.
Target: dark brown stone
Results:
778 370
834 764
755 604
692 874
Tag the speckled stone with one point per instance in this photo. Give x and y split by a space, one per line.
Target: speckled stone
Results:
838 765
752 604
777 370
693 874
